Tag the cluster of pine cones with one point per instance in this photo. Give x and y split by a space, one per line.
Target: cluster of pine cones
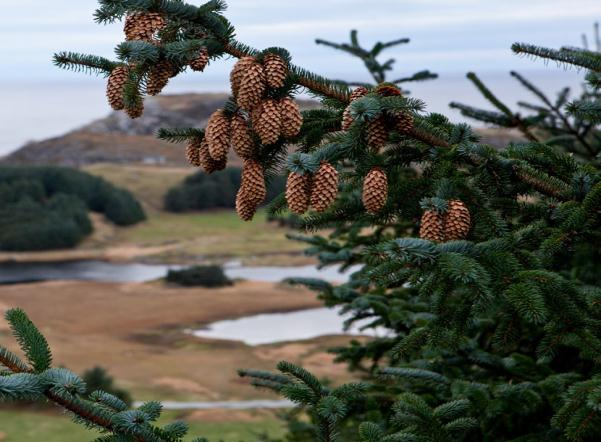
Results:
454 224
268 118
145 26
318 190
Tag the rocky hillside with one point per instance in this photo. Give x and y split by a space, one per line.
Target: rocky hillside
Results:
119 140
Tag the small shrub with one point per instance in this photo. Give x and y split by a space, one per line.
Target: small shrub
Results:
97 378
203 276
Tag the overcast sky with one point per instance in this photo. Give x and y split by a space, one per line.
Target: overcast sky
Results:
447 35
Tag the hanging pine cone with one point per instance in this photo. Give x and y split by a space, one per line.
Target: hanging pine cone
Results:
298 189
136 110
377 135
238 72
457 221
432 226
218 135
253 180
388 90
159 76
200 61
192 154
292 119
115 85
242 141
269 123
347 118
206 161
375 190
245 208
276 70
143 25
404 122
252 87
325 187
358 93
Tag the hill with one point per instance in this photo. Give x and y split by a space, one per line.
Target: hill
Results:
118 139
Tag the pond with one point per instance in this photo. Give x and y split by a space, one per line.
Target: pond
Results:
12 273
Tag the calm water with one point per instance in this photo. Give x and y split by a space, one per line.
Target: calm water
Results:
137 272
270 328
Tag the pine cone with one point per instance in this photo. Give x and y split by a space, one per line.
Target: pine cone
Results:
325 187
208 164
200 62
276 70
242 141
404 122
135 110
218 135
254 181
377 134
375 190
347 119
388 90
159 76
292 119
192 154
143 25
238 72
457 221
432 226
245 207
358 93
115 85
269 122
298 189
252 87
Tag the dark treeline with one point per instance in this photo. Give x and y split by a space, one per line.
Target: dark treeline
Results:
47 207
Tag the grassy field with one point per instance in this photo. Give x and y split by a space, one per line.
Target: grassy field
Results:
34 426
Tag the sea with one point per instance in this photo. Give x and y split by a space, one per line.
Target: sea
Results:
34 110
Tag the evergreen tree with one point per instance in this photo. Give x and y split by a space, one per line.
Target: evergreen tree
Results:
491 300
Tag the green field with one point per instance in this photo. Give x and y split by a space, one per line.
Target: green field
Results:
32 426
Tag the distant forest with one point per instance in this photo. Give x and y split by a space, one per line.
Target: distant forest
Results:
45 208
218 190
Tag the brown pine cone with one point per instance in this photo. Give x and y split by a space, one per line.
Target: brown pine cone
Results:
242 141
432 226
404 122
200 62
159 76
347 119
192 154
245 207
135 110
238 72
269 122
252 87
388 90
358 93
375 190
276 70
298 189
377 134
457 221
143 25
253 180
208 164
115 85
325 187
218 135
292 119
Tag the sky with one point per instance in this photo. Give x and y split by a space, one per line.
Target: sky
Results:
450 37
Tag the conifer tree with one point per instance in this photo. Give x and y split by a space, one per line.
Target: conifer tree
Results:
493 318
